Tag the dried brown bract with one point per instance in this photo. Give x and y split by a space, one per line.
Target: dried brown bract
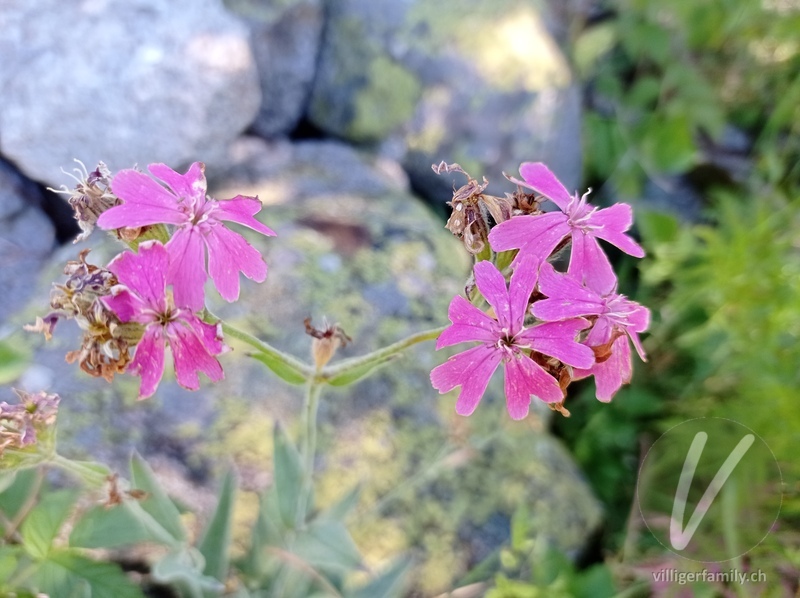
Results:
472 209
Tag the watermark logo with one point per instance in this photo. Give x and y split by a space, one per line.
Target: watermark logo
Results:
710 489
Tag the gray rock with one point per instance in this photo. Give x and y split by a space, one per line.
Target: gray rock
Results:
353 246
286 36
27 238
124 81
481 84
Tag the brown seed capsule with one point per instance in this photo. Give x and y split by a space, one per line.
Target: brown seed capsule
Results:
326 341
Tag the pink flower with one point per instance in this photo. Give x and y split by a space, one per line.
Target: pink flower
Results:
617 316
199 220
505 339
142 297
538 235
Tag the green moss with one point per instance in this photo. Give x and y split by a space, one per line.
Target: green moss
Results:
388 100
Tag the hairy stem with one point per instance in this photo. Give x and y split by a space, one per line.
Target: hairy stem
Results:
308 448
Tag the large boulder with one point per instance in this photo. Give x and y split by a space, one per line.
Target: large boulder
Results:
123 80
479 83
353 246
285 37
27 238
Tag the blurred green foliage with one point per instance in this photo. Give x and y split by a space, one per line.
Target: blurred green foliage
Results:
667 82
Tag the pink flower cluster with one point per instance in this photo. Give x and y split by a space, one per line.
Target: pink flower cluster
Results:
141 295
546 328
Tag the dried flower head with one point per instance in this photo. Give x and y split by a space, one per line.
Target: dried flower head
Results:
91 196
472 208
104 349
20 423
326 341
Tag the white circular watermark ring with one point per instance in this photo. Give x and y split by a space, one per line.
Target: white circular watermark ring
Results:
710 489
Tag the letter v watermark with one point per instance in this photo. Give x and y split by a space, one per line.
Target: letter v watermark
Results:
678 537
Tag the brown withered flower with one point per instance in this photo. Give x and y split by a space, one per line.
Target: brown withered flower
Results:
91 196
104 349
472 209
326 341
523 203
20 423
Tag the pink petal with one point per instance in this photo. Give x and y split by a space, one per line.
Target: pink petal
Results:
128 306
557 339
611 225
589 264
149 360
145 202
471 370
638 344
544 182
144 273
228 254
601 332
191 185
210 334
241 209
524 378
567 297
611 374
469 324
191 355
519 290
186 270
639 317
534 235
492 286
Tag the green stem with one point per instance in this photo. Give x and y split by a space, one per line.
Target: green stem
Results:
309 448
261 346
379 355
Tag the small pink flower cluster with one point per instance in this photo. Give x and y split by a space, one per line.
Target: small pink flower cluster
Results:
546 328
141 296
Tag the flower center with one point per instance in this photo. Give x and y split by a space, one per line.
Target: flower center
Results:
580 213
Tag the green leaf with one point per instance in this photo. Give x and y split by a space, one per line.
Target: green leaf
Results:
281 369
288 476
327 544
657 227
68 574
217 537
183 568
520 527
101 527
348 376
13 361
391 583
592 44
8 562
342 508
44 521
266 532
157 504
668 143
18 492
